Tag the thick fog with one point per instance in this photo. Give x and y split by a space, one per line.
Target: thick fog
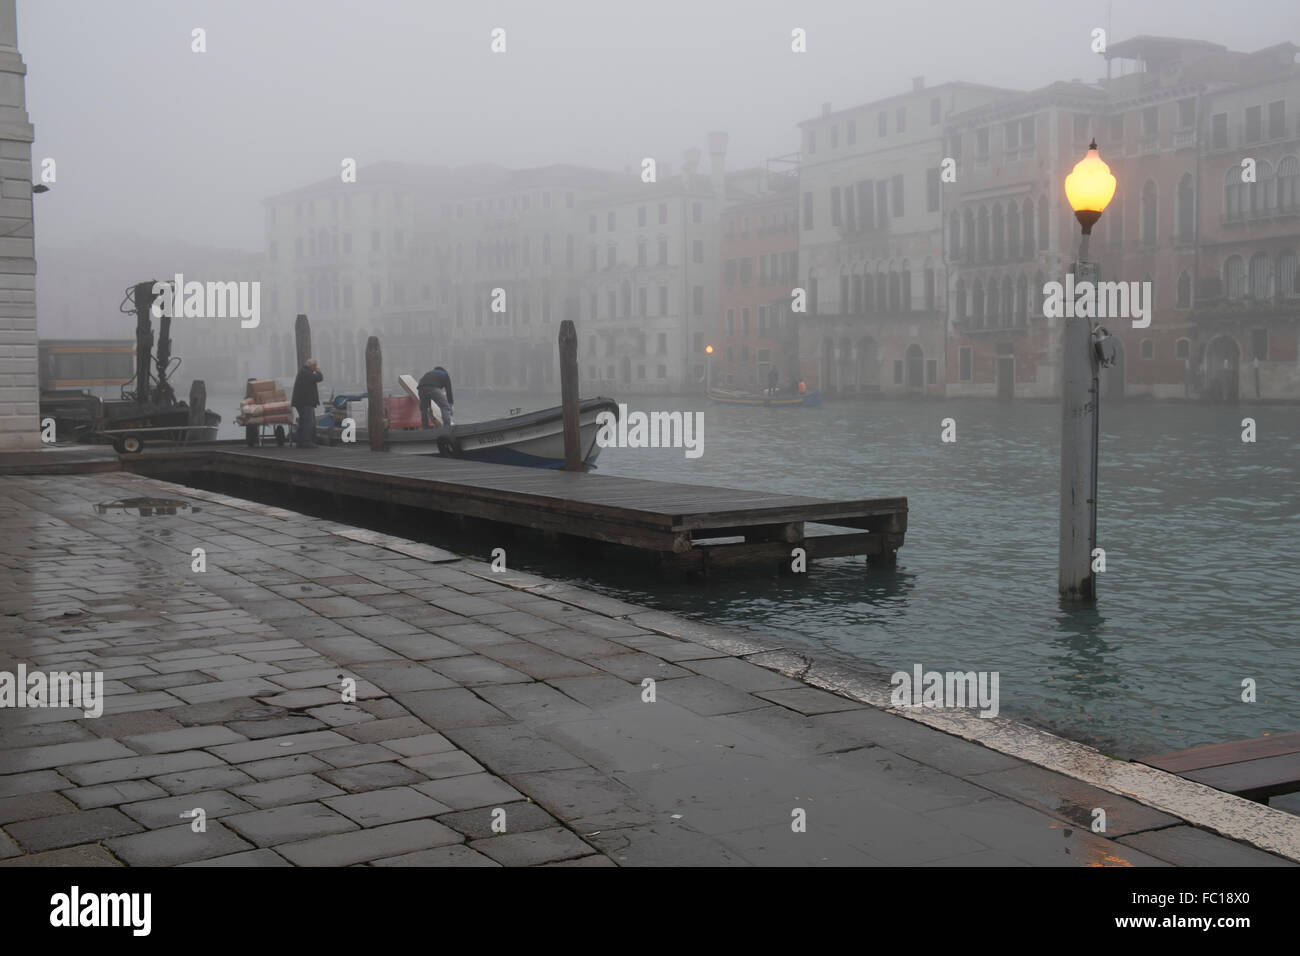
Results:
153 140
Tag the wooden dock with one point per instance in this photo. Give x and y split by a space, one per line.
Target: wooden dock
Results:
1256 769
679 523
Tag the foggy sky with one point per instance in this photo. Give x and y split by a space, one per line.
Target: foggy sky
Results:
152 139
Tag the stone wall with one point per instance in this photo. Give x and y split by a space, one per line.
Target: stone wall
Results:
19 391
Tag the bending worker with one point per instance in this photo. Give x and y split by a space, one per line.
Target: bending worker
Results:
435 387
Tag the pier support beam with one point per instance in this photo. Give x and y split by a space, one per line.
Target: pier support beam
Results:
375 423
569 395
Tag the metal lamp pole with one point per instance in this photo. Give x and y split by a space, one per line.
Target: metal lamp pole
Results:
1079 394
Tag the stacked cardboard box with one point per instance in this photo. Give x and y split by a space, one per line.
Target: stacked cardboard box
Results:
265 404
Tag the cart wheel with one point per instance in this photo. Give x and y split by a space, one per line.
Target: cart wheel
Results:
250 435
132 444
279 435
117 446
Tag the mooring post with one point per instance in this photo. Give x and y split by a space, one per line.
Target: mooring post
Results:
569 395
198 401
1078 526
302 339
375 423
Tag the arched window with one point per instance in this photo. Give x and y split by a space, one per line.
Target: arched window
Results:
999 232
954 237
1184 290
1232 193
1234 277
983 238
968 236
857 294
895 292
868 294
1013 232
1288 280
1183 348
1022 301
1036 294
1042 222
1027 229
882 289
1288 183
977 305
959 299
905 278
1149 215
627 298
992 307
1186 209
1263 192
1261 277
1008 303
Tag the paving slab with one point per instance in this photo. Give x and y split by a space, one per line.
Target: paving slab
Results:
532 848
379 807
84 826
375 843
455 855
288 824
176 845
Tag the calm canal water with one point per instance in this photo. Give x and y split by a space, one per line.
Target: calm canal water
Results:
1201 532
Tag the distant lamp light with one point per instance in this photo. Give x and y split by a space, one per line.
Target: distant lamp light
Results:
708 350
1089 188
40 188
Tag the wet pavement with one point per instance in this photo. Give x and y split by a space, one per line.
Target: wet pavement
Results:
329 696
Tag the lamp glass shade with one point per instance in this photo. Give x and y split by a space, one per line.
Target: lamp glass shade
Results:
1091 186
708 349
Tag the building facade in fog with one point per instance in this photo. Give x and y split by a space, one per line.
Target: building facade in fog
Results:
1009 230
649 274
1219 254
756 332
871 242
19 390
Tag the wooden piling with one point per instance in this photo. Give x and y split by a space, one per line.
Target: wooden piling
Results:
569 395
375 422
198 401
302 338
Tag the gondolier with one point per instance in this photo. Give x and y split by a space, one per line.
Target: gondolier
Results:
305 399
435 387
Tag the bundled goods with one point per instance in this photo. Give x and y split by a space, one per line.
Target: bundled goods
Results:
403 412
253 412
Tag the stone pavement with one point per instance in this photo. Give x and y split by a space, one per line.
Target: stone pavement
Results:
480 697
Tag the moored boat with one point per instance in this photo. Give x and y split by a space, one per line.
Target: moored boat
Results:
725 396
534 439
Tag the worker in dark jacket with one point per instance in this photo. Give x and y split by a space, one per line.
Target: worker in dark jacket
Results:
305 399
435 386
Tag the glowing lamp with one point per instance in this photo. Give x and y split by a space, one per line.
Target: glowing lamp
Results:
1089 188
708 350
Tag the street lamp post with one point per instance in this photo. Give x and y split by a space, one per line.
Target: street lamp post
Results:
1089 189
708 370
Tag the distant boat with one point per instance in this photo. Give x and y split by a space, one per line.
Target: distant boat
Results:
780 400
533 440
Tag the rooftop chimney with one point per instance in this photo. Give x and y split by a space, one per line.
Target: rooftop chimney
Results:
918 84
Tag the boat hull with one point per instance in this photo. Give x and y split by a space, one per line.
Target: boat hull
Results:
809 400
535 440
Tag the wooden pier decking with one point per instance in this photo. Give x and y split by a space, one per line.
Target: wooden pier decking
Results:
1256 769
678 522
